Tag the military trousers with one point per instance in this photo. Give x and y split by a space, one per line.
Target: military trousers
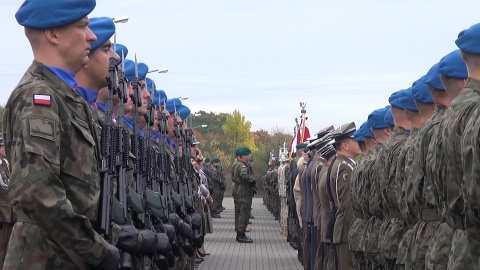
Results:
422 236
438 249
217 204
344 256
283 213
5 231
460 256
243 204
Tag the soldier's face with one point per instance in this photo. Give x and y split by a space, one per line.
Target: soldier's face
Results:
352 147
2 151
98 64
145 97
128 107
74 43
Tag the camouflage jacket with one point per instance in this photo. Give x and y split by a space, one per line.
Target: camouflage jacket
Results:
387 168
54 155
419 186
243 179
365 185
471 163
375 205
455 124
405 159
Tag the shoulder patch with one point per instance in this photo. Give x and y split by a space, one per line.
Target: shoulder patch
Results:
40 99
43 128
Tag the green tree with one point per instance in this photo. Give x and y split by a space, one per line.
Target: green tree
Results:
237 133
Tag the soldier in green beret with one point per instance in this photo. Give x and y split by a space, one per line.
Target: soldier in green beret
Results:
218 183
244 186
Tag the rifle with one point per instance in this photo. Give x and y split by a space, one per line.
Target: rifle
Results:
109 150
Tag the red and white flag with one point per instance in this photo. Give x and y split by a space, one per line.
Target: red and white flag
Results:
45 100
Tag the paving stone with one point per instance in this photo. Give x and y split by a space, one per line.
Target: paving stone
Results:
269 249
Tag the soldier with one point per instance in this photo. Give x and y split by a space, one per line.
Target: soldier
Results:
359 224
218 185
393 226
299 201
471 158
363 190
293 224
282 193
464 252
275 200
419 190
379 128
60 209
453 74
403 161
338 190
325 250
243 189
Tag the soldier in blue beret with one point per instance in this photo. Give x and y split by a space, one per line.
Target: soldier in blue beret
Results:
66 183
461 148
122 52
244 186
419 186
91 78
453 73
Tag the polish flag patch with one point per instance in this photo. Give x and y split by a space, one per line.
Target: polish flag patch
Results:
45 100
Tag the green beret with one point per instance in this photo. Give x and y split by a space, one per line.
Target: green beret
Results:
277 163
301 145
270 165
216 160
207 159
243 151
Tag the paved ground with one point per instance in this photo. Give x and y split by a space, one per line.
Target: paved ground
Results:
269 249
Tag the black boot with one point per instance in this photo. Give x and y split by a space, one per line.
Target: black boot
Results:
242 238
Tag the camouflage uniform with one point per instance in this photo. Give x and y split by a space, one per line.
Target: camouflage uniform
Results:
275 199
419 192
54 157
282 193
436 256
405 160
359 224
372 206
392 228
218 182
455 124
6 211
243 179
471 160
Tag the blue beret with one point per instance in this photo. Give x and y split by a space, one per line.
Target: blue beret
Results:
142 71
469 40
103 28
183 111
150 85
43 14
173 104
243 151
394 99
407 99
452 65
358 135
421 93
130 70
159 98
119 48
432 77
376 119
389 117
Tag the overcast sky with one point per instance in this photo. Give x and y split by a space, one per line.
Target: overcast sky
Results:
343 58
